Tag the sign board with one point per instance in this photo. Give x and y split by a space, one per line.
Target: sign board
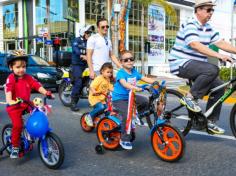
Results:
48 42
71 10
156 35
39 40
43 32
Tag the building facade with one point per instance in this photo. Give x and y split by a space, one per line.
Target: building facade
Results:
23 21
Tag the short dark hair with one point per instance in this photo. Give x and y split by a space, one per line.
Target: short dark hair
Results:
100 20
105 66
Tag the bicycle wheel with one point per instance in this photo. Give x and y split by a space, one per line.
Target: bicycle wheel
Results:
84 125
53 155
176 113
109 140
6 136
64 92
168 143
233 120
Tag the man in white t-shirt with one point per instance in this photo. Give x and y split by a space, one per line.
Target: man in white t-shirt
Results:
99 49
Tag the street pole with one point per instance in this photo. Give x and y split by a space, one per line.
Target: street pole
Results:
142 41
232 36
117 8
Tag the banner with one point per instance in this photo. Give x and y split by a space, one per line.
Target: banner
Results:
156 35
71 10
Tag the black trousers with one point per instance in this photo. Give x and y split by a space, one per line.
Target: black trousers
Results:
205 77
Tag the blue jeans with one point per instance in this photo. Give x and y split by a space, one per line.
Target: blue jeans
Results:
97 109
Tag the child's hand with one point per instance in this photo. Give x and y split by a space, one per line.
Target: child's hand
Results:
97 93
14 102
138 89
50 95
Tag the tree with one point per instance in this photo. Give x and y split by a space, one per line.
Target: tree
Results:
170 11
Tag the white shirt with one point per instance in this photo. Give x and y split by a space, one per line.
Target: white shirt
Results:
101 47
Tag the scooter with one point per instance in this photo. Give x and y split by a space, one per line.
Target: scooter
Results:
66 84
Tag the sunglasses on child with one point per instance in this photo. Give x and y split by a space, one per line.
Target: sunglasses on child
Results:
131 59
103 27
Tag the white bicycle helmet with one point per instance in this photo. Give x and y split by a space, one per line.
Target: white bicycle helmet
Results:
89 28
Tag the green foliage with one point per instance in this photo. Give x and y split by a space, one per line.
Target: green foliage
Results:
225 73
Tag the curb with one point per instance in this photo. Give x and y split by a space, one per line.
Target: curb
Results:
229 100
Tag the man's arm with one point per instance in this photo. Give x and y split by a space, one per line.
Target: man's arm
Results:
208 52
148 80
115 60
226 46
90 63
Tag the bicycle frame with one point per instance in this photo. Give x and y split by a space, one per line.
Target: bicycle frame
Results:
223 98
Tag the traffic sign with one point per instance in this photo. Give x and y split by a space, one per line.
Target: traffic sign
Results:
43 32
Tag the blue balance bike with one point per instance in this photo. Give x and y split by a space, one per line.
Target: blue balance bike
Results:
50 147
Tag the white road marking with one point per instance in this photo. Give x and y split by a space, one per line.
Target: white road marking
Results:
77 113
215 135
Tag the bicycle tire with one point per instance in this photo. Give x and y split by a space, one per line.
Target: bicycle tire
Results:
84 125
173 147
233 120
8 126
61 152
112 141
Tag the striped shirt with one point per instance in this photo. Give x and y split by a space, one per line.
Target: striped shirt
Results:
191 30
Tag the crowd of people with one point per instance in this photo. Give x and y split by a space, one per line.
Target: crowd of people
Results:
188 59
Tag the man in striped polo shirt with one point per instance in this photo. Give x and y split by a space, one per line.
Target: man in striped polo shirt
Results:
188 59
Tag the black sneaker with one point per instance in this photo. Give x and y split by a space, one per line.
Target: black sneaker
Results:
14 153
191 104
212 127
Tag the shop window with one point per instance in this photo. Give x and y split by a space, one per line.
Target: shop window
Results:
10 20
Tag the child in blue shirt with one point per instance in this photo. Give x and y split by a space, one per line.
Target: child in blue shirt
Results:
126 80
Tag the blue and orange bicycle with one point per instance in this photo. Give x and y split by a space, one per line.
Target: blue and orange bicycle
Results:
167 141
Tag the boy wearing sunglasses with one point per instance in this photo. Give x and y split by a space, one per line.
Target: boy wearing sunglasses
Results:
189 59
126 80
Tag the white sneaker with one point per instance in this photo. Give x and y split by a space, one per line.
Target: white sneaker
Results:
214 128
14 153
88 120
126 145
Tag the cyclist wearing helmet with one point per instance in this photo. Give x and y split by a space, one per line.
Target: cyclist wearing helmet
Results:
19 85
79 63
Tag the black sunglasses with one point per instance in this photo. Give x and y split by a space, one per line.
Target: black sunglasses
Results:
103 27
131 59
209 10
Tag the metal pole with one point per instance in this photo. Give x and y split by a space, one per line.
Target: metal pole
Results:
142 41
116 30
232 36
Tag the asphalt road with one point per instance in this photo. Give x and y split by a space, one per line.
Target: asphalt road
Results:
204 155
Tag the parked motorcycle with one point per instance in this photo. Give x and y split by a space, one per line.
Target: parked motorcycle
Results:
65 86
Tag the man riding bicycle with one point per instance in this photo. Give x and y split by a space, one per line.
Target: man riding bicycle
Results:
188 59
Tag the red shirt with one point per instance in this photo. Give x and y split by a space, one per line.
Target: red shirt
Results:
21 87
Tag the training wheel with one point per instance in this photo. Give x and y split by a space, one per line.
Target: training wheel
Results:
99 149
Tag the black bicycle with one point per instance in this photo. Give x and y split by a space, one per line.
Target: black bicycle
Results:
184 119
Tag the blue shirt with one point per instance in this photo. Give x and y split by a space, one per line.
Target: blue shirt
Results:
78 48
120 92
192 30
